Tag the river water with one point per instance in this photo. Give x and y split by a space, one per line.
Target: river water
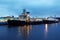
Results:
30 32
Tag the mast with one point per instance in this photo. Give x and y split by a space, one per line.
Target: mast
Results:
24 11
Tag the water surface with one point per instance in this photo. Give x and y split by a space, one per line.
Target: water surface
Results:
31 32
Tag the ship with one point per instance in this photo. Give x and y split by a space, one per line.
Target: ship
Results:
57 18
25 19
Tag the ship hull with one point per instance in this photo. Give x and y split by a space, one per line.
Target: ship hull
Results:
18 22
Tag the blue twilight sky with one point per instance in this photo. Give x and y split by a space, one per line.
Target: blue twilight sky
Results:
40 8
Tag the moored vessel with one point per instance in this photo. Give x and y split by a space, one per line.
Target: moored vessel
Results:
25 19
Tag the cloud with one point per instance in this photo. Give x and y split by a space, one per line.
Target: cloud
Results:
41 2
8 7
14 7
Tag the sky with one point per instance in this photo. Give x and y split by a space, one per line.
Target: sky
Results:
37 8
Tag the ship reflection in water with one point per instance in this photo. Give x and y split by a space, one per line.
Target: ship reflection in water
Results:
31 32
24 31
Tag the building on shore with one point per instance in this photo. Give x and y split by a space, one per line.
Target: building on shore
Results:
4 19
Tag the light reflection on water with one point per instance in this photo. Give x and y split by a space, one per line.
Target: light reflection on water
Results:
46 27
31 32
24 31
46 30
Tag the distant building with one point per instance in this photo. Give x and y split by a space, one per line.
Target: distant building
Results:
9 17
3 19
